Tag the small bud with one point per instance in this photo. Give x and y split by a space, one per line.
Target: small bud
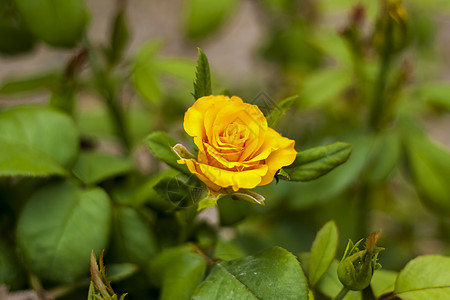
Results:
357 266
100 286
392 33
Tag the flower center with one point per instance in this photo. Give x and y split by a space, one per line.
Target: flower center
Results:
235 134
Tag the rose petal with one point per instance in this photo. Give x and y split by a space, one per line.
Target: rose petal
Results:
194 118
236 148
247 179
220 159
214 114
270 144
221 115
283 156
257 125
192 166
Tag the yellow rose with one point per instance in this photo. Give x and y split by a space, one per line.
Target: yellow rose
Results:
236 148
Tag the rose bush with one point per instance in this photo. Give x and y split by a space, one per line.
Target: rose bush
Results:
236 147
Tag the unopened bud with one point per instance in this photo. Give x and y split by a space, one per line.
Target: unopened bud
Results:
357 266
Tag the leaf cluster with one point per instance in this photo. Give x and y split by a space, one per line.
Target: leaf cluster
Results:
77 177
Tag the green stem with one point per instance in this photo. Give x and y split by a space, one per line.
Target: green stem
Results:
378 101
107 89
341 294
118 117
186 220
363 211
379 98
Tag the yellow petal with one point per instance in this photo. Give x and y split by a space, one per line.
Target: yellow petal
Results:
202 157
194 118
246 179
218 157
270 144
283 156
192 166
236 147
257 126
218 116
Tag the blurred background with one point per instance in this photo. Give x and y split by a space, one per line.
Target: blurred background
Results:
371 73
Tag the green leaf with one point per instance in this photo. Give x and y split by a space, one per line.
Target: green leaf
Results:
118 272
160 143
136 192
39 82
335 48
92 293
324 87
181 191
329 284
144 74
202 17
42 128
36 141
280 110
181 68
232 211
16 38
95 167
150 74
133 240
292 46
226 250
425 277
177 271
323 251
17 159
11 272
96 123
312 192
57 23
120 36
273 273
315 162
63 96
435 94
207 201
202 82
383 282
430 169
383 157
57 247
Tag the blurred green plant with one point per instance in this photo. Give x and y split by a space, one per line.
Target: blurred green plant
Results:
63 193
372 89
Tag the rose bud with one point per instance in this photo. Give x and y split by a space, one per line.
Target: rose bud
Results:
357 266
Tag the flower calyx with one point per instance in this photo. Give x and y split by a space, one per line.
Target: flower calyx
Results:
356 268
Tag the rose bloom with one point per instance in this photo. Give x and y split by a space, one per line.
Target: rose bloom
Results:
236 148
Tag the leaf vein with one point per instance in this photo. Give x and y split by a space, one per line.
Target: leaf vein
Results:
235 278
424 289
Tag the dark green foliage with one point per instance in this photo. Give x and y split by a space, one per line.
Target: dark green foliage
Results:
268 274
92 165
315 162
60 24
